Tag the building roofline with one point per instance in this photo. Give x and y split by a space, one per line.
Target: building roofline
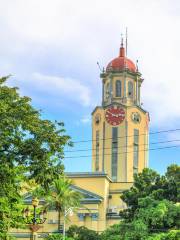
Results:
120 104
82 190
88 175
92 197
118 72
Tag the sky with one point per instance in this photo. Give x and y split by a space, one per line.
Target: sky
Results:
51 49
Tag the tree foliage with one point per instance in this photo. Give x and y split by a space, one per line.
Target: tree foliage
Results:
61 196
150 183
56 236
30 148
153 210
112 233
82 233
172 235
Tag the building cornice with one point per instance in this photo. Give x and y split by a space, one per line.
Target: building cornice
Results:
118 73
119 104
88 175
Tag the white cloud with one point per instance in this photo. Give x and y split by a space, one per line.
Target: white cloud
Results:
67 88
87 31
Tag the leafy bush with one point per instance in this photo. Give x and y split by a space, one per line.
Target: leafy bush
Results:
153 208
57 236
172 235
82 233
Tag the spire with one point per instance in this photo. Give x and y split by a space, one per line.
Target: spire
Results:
122 50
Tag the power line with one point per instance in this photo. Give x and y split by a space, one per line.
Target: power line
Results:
150 133
124 146
109 154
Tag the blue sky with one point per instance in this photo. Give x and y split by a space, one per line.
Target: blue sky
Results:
51 48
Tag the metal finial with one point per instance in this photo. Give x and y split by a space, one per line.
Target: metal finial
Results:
121 40
126 40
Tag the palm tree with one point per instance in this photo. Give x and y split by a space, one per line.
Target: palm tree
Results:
62 196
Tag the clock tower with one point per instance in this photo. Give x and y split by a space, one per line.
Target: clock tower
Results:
120 125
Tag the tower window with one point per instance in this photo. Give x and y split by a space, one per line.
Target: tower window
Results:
114 134
136 151
97 151
114 153
130 89
118 88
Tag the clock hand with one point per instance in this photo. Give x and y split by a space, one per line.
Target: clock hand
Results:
114 115
120 115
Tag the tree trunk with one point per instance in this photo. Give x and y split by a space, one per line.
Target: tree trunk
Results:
59 221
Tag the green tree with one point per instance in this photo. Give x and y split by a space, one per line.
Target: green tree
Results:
30 148
57 237
158 215
153 210
62 196
112 233
152 217
172 183
82 233
150 183
10 200
172 235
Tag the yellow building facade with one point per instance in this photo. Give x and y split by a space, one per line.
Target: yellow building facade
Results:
119 150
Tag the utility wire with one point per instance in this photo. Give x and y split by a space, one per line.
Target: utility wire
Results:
150 133
124 146
107 154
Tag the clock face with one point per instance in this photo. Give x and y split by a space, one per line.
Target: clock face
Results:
115 115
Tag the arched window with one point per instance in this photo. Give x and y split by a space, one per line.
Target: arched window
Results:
130 89
118 88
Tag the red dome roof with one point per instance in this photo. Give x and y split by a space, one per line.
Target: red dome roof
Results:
121 62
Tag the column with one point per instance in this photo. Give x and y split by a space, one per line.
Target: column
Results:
103 82
111 89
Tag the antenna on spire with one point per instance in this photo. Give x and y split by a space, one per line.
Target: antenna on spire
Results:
102 70
126 40
121 40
